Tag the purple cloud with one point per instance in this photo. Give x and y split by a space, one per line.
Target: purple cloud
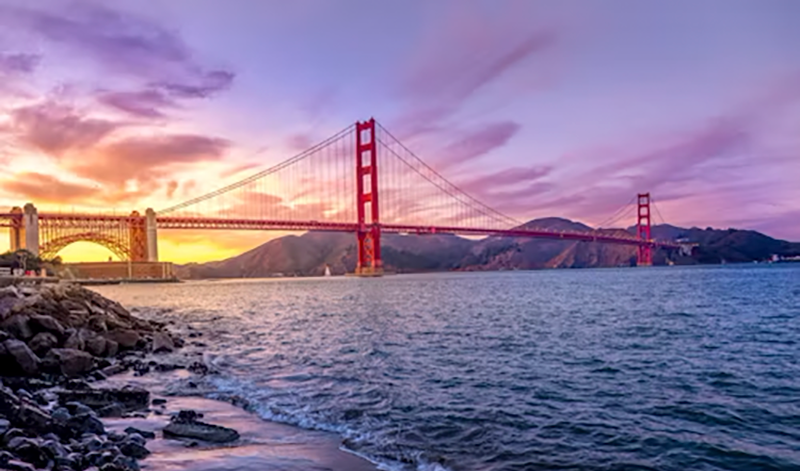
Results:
127 45
476 144
142 104
462 56
18 63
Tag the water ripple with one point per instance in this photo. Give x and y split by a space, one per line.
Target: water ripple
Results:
654 369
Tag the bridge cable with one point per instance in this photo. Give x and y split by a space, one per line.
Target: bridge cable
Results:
292 160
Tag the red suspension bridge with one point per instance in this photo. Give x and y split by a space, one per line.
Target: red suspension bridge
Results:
361 180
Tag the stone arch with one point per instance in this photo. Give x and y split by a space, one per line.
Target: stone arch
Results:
118 247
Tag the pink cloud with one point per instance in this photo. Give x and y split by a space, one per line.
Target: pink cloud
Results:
476 144
57 129
461 56
146 158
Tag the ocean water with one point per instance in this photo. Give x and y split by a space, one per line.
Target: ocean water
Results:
671 368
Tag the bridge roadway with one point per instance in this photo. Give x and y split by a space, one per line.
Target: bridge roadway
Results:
173 223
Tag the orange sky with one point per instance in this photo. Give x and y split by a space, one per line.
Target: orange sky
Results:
173 246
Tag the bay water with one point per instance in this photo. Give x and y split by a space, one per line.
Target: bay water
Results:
673 368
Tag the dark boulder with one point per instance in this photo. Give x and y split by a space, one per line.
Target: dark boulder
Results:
162 342
126 339
74 340
18 325
71 362
42 342
130 397
96 346
16 358
134 448
42 323
28 450
186 425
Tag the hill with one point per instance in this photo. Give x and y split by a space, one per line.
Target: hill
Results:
309 253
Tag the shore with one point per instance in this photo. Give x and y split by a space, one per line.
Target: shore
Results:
84 387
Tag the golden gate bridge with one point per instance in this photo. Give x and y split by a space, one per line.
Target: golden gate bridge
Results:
361 180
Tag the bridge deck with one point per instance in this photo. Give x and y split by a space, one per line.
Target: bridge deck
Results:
278 225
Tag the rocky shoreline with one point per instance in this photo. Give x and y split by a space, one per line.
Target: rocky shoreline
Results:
56 342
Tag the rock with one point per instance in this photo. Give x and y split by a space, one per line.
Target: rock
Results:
75 407
158 401
12 434
130 397
112 348
91 443
5 457
134 449
54 449
162 343
186 425
42 342
111 410
29 451
60 414
201 431
18 325
127 339
86 423
143 433
17 358
126 463
114 370
198 368
71 362
41 323
16 465
96 346
75 341
31 417
97 323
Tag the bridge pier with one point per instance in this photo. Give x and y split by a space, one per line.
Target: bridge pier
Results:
30 225
16 232
151 233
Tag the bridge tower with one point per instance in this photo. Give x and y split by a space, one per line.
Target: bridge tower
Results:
151 235
645 254
137 237
30 222
17 230
369 261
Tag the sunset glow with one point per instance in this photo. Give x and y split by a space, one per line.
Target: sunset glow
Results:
537 109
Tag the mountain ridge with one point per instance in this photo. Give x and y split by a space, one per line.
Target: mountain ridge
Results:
308 254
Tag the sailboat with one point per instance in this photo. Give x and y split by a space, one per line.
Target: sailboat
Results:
327 270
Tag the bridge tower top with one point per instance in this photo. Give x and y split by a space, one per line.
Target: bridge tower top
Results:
643 229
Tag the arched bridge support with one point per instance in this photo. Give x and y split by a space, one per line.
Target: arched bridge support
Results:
131 237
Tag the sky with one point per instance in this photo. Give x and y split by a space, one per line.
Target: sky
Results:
540 108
